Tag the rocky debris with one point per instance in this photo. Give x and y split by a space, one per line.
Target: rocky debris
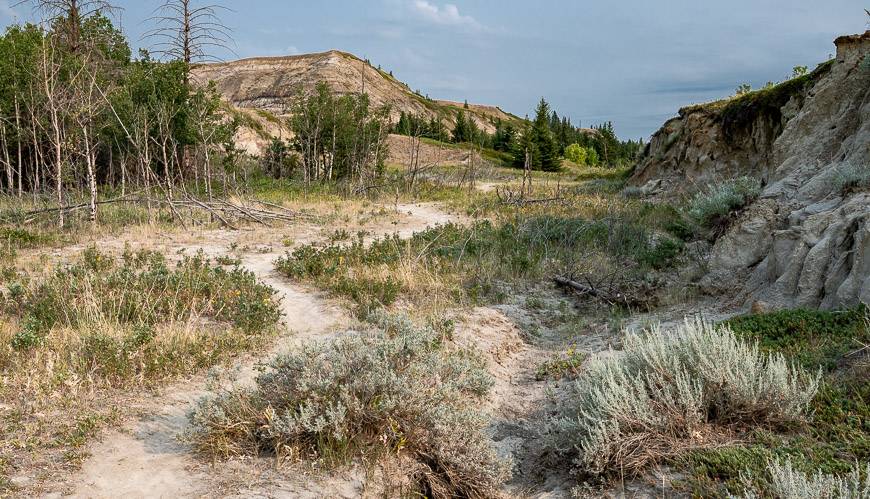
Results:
806 241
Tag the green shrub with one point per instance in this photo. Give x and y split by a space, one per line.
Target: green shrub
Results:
562 365
713 206
669 392
399 391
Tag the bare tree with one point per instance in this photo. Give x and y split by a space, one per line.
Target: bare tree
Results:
189 33
69 14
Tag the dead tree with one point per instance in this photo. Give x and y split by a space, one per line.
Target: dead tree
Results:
68 15
189 33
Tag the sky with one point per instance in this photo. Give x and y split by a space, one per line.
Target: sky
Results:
632 62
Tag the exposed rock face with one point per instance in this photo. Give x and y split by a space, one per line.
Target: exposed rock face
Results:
268 83
806 241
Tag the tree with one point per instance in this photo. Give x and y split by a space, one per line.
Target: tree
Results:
462 128
189 33
547 155
576 154
339 137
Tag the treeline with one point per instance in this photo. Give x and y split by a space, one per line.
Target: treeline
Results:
77 110
334 138
542 141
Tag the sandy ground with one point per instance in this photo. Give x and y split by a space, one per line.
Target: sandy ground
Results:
145 458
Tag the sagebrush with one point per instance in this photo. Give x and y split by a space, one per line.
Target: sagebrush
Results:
785 482
714 205
398 391
669 392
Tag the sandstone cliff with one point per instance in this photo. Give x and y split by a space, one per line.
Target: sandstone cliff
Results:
806 241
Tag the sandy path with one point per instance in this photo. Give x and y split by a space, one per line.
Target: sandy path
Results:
145 458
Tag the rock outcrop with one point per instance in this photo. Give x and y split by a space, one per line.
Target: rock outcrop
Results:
806 241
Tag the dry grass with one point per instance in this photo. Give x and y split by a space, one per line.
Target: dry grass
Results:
77 340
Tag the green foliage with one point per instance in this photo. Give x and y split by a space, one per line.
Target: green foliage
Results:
811 337
714 206
397 391
562 365
339 136
418 126
279 160
576 154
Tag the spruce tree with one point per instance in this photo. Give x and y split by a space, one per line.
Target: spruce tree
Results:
542 136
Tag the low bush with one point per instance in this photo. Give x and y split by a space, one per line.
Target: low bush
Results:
399 391
713 206
786 482
670 392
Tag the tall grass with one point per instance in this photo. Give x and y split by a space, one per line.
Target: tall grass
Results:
462 263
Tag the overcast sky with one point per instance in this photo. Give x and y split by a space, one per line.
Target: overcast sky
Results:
634 62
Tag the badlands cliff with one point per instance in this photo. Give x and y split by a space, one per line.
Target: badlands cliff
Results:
806 241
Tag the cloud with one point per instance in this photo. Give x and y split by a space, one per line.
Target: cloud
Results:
448 15
292 50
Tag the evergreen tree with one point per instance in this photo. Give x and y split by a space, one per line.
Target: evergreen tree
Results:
542 136
462 130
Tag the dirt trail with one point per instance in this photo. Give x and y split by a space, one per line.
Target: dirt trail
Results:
146 459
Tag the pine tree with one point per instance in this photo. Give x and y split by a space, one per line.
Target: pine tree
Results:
542 136
461 130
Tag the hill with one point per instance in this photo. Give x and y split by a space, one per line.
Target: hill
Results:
266 84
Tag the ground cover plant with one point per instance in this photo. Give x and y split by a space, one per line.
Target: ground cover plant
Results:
398 392
838 435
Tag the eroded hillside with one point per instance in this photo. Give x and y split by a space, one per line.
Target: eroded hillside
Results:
268 83
805 242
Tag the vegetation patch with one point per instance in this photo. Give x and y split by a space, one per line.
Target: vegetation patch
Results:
851 177
464 263
562 365
668 393
839 434
72 340
714 206
400 391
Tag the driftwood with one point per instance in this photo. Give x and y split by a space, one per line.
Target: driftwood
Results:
510 197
